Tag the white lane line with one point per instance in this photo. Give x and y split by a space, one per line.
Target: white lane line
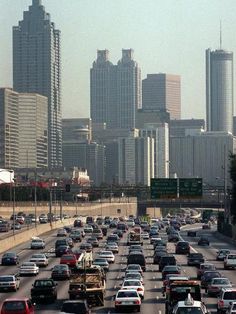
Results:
157 297
155 287
153 277
159 311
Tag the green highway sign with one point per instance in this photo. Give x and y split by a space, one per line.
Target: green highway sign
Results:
163 188
190 187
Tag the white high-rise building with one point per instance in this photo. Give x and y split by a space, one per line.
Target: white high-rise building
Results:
219 90
136 160
160 133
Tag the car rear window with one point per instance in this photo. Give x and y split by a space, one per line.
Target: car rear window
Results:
127 294
14 305
230 295
136 259
231 256
74 308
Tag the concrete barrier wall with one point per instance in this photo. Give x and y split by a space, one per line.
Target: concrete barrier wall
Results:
103 209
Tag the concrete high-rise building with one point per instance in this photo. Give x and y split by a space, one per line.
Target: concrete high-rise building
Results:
162 92
24 128
37 69
115 90
185 126
129 90
77 129
136 160
219 90
103 90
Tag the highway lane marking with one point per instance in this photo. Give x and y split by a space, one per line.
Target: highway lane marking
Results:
155 286
159 311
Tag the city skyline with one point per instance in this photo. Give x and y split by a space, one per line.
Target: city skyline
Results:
168 48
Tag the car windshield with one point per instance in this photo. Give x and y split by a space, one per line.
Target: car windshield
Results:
231 256
38 256
196 255
9 255
75 307
230 295
68 257
43 283
14 306
131 283
189 310
28 264
220 281
59 267
127 294
6 278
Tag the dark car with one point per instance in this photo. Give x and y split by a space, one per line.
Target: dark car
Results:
78 223
203 241
191 233
60 242
170 269
61 272
221 254
166 260
195 259
89 220
157 256
113 238
137 258
93 241
182 247
75 306
62 249
10 258
119 233
76 236
44 290
113 224
208 276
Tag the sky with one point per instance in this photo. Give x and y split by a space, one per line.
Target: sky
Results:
168 36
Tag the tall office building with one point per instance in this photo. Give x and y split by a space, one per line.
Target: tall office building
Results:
37 69
219 90
24 126
115 90
162 92
129 92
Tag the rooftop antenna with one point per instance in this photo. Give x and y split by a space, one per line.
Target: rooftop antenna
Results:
220 35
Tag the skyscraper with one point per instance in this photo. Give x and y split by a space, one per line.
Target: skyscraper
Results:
37 69
162 92
115 90
219 90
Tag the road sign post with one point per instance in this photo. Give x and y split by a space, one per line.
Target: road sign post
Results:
163 188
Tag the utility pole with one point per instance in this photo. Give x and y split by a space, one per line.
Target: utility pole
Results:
35 197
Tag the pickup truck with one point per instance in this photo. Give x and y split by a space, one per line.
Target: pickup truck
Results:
44 290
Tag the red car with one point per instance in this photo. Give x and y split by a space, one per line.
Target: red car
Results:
17 306
69 259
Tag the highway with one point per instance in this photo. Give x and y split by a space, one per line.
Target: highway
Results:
153 301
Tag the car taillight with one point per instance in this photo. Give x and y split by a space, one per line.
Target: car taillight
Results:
117 302
221 303
137 302
139 289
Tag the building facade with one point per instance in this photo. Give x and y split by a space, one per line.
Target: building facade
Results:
185 126
219 90
24 130
162 92
115 90
37 69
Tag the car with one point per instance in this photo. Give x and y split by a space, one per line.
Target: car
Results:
158 255
9 283
113 224
39 259
135 247
78 223
230 261
206 225
182 247
232 308
204 267
119 233
113 238
145 235
170 269
102 262
137 258
108 255
166 260
43 219
154 239
134 267
75 306
17 305
169 279
208 276
88 229
98 234
134 284
70 242
61 272
133 275
112 247
61 233
37 243
68 259
127 299
173 237
89 220
62 249
88 247
130 223
20 219
226 297
28 268
5 226
10 258
203 241
221 254
16 226
44 289
94 241
191 233
195 259
60 242
217 284
190 306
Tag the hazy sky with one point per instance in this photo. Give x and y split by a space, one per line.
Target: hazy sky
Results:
167 36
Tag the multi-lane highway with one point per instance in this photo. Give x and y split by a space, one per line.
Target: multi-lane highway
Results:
153 301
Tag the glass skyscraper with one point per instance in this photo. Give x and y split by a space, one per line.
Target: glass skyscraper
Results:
37 69
219 90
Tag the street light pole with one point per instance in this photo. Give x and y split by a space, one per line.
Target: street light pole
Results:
35 197
13 205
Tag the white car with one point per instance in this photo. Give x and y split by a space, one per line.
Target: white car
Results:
9 282
134 267
37 243
127 299
28 268
130 223
134 284
112 247
88 229
145 235
232 308
108 255
230 261
39 259
133 275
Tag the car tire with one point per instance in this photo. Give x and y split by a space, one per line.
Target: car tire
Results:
138 309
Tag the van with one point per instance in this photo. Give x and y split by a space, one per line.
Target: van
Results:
137 258
166 260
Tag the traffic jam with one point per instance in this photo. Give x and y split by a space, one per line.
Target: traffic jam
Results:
172 265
